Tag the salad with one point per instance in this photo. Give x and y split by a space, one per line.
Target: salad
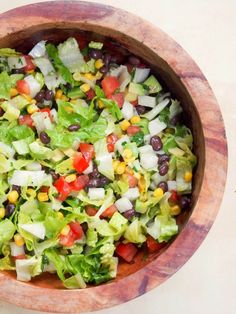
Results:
95 162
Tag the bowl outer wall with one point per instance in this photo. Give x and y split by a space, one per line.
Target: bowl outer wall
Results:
212 188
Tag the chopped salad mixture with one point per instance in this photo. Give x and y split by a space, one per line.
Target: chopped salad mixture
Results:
95 162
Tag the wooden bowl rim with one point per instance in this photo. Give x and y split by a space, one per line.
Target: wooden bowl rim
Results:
207 205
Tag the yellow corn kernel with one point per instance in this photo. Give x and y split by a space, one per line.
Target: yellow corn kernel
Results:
175 210
60 215
124 125
121 168
31 192
127 153
85 87
98 64
27 97
13 196
43 197
65 230
70 178
59 94
100 104
32 109
13 92
89 76
30 72
170 130
142 184
19 241
98 75
63 97
115 164
2 212
33 102
135 119
158 193
188 176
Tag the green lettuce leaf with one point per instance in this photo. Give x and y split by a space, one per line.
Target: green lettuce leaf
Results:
7 230
113 108
134 232
5 85
9 52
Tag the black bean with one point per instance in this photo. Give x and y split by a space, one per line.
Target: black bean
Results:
16 188
9 209
103 181
185 202
107 59
104 69
44 138
134 60
55 176
49 95
40 96
129 214
68 86
95 173
74 127
18 71
140 109
1 112
95 53
93 183
163 185
84 226
156 143
163 169
163 158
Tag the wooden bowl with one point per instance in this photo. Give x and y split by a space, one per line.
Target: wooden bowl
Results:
23 27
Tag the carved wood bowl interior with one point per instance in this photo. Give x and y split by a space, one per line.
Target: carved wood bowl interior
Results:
23 27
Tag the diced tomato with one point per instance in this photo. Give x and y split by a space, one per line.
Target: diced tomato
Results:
77 230
127 251
111 140
82 42
110 84
132 180
109 212
80 183
87 150
23 256
79 162
90 94
44 189
90 210
174 198
67 240
27 120
63 188
132 130
30 66
118 98
134 102
23 87
153 245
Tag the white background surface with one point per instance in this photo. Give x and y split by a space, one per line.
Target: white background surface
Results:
207 283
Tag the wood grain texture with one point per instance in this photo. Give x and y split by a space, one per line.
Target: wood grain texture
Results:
25 26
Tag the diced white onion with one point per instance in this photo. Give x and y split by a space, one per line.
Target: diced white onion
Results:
147 138
132 194
140 75
96 193
33 85
42 121
172 185
37 229
105 165
156 110
122 75
123 204
118 144
38 50
54 115
156 126
17 250
147 101
148 161
157 178
28 178
89 169
146 149
34 166
127 110
16 62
